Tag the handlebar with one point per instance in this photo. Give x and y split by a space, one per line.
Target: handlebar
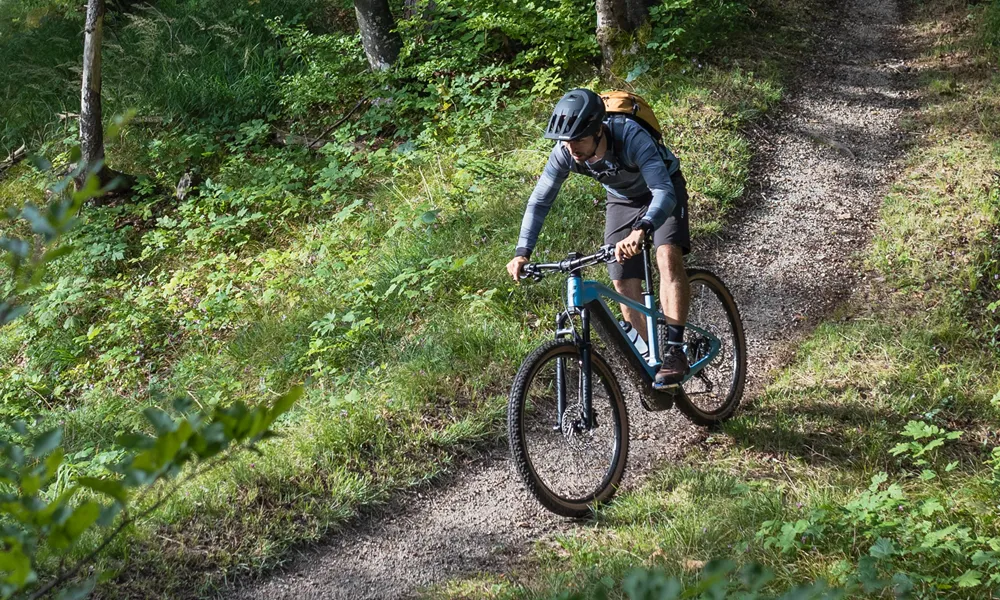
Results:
574 263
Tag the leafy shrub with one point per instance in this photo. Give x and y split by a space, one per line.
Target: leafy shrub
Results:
461 64
990 29
718 580
689 27
909 541
50 503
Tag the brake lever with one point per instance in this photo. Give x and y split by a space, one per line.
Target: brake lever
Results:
531 271
606 253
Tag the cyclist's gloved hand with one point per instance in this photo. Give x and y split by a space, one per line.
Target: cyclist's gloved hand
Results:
514 266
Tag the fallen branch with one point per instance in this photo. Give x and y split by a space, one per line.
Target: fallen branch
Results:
13 158
339 121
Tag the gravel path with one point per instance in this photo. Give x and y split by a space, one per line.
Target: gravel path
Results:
818 181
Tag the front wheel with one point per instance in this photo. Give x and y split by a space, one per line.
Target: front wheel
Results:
712 395
565 465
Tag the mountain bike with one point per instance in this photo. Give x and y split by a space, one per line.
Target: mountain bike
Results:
566 416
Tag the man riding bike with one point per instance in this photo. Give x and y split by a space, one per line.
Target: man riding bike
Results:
646 195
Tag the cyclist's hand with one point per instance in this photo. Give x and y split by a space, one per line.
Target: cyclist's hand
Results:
514 266
630 246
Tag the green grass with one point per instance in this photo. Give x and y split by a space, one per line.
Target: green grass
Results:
374 276
810 480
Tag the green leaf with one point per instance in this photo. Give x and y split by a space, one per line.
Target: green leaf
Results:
109 487
52 463
16 564
900 448
930 507
951 466
902 585
41 163
108 514
280 407
39 224
927 475
19 248
182 404
970 578
55 253
77 591
30 484
883 548
82 518
160 420
429 216
136 441
47 442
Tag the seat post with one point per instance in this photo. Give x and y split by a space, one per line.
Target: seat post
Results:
647 267
652 339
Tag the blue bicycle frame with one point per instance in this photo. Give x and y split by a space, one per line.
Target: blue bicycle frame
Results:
586 298
581 294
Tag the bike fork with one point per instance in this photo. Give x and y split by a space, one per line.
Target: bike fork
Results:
585 390
585 384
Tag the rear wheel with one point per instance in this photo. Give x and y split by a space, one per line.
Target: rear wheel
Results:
563 464
713 394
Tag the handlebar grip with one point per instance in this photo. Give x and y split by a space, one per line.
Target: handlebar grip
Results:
530 270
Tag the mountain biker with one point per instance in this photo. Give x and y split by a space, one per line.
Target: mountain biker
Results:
646 195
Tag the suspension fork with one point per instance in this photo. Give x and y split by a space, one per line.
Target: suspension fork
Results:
562 319
585 381
585 391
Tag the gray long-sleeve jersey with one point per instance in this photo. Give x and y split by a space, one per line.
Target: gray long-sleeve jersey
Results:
632 167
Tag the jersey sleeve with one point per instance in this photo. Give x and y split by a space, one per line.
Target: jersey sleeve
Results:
540 201
641 150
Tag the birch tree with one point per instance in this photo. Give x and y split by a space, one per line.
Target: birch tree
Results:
91 119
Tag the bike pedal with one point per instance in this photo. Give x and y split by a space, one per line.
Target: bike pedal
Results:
667 387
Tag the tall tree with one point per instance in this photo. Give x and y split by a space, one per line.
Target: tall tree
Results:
616 19
91 120
638 12
378 33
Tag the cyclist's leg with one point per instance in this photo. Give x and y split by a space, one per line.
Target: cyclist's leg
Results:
632 288
627 277
672 241
675 293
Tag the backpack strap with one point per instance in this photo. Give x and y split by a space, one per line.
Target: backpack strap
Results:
615 146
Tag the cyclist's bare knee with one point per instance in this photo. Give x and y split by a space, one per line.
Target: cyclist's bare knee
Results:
670 260
630 288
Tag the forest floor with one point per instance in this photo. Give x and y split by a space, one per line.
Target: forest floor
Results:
790 255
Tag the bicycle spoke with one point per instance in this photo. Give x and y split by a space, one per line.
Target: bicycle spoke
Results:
571 461
710 389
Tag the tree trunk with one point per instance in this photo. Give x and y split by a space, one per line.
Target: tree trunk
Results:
91 118
411 8
91 128
378 35
613 20
638 13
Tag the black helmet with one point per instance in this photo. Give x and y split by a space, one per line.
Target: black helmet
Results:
577 114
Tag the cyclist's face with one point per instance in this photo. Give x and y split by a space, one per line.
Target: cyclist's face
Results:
582 149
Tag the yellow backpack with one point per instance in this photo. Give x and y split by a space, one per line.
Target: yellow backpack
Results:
634 107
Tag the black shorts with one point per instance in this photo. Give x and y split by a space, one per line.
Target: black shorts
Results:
622 214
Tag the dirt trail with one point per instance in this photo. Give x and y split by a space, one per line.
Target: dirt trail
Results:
818 180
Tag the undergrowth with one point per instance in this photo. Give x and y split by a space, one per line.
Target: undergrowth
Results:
872 463
342 229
